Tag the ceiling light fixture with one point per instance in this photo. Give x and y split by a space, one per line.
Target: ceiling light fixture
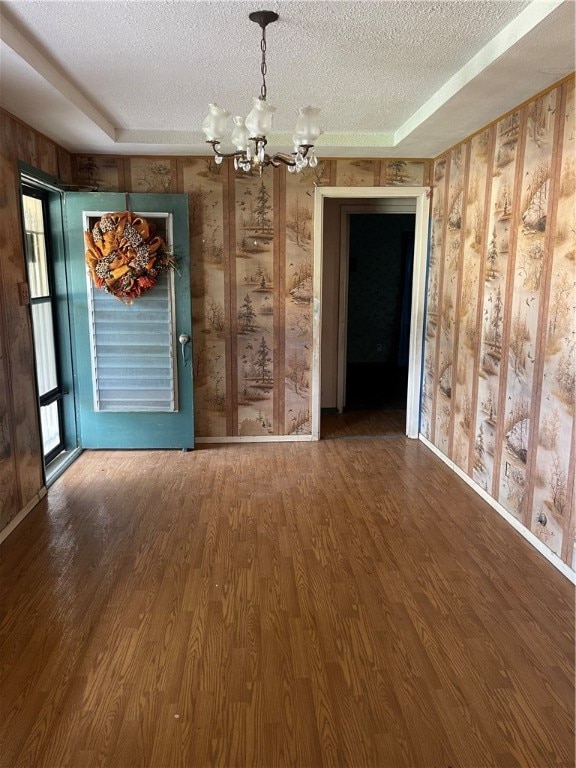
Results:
249 136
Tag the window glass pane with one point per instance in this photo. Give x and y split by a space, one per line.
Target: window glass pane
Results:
133 350
44 347
39 271
50 427
35 246
33 214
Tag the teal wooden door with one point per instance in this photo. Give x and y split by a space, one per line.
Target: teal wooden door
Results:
133 377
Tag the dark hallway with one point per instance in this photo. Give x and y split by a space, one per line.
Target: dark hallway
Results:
379 300
374 386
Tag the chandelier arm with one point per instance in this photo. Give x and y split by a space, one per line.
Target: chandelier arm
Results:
291 159
281 157
215 146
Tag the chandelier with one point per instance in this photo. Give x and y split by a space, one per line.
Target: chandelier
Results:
249 135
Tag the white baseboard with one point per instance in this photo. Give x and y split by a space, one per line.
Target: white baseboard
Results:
15 522
527 534
257 439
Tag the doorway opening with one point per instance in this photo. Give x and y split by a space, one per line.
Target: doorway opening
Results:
378 271
341 381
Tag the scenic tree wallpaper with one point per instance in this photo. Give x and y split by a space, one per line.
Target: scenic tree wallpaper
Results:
251 250
500 356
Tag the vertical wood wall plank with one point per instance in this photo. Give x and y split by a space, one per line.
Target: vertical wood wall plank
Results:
254 244
554 395
229 201
25 439
27 150
205 183
541 326
64 165
452 256
47 156
279 344
484 204
298 274
508 298
519 424
497 274
456 302
469 293
441 229
10 497
428 400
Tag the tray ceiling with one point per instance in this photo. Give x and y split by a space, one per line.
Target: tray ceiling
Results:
406 78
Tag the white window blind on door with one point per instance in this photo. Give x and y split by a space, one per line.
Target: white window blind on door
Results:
133 365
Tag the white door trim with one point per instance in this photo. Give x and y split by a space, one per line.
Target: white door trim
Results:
421 195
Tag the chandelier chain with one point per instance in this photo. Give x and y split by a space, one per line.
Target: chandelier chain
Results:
263 67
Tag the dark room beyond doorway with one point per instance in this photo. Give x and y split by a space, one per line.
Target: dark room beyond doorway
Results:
379 302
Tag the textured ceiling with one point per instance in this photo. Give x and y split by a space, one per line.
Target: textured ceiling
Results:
397 78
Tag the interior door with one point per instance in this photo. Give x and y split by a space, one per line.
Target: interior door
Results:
132 375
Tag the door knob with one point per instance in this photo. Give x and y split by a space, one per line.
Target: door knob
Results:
184 339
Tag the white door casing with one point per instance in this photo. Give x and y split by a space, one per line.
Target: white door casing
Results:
421 197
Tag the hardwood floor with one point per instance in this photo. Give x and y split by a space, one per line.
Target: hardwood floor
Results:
340 603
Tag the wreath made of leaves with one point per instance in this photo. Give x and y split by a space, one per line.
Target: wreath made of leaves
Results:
125 256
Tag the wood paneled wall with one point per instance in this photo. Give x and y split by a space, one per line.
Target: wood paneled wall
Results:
21 475
252 254
500 352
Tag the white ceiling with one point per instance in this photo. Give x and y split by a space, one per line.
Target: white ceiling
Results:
408 78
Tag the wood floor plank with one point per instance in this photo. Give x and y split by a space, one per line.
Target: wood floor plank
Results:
343 603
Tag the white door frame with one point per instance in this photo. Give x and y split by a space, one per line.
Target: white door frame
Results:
421 195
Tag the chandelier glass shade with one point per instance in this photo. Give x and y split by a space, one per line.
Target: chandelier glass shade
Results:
249 135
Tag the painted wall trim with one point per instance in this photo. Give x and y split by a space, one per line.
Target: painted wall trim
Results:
528 535
15 522
499 45
256 439
28 51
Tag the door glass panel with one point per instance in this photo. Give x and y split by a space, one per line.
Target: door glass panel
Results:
35 247
41 300
38 271
46 370
50 421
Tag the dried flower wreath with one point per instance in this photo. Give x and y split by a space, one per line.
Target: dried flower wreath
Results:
125 256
